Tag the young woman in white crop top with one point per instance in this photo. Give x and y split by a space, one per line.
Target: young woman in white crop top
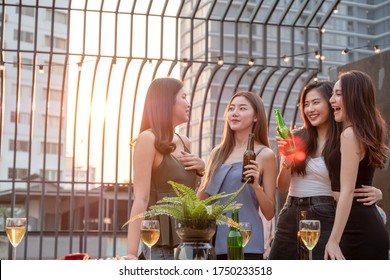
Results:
305 176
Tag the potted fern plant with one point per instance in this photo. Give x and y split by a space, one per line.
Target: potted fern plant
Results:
196 219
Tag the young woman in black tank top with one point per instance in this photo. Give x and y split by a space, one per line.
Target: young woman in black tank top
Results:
358 232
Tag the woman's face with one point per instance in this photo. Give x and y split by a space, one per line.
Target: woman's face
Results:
241 114
316 108
181 108
336 101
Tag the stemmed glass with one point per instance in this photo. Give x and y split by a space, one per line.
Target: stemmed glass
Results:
150 233
310 233
15 228
246 231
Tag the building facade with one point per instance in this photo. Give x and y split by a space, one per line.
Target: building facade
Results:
33 128
354 30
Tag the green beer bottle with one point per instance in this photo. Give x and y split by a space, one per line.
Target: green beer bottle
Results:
303 252
284 132
249 155
234 240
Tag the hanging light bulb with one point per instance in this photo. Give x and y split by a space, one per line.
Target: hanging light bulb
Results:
335 10
377 49
345 51
220 61
40 69
317 54
251 62
150 62
113 61
323 30
315 78
286 58
1 65
79 66
322 57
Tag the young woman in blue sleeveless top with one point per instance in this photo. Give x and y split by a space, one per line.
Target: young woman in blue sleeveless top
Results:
244 114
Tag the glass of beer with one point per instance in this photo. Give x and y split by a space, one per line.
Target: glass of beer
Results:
150 233
16 229
246 231
310 233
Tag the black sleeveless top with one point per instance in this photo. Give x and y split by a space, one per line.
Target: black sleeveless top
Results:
364 176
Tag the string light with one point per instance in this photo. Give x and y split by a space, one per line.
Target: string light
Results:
323 30
220 61
315 78
335 10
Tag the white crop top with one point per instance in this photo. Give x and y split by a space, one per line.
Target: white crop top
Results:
316 182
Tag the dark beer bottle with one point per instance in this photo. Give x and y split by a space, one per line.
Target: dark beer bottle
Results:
284 131
303 252
234 240
249 155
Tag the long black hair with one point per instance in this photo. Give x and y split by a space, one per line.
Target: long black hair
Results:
308 133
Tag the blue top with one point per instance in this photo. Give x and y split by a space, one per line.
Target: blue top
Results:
227 179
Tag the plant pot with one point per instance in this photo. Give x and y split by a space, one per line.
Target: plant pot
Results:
195 238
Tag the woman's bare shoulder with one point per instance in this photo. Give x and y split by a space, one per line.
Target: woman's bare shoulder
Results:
146 137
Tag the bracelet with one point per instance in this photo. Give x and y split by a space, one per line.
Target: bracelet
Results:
200 174
286 165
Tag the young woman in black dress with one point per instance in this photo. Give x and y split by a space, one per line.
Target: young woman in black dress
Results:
358 231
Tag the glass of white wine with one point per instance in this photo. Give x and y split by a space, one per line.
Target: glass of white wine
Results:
16 229
150 233
246 232
310 233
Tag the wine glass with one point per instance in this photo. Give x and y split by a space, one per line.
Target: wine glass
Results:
310 233
246 231
150 233
15 228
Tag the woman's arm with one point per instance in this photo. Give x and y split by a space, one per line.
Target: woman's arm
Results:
144 153
368 195
202 194
265 193
191 161
284 176
350 158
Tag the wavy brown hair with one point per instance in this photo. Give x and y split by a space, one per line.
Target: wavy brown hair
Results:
359 99
259 129
158 112
308 133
